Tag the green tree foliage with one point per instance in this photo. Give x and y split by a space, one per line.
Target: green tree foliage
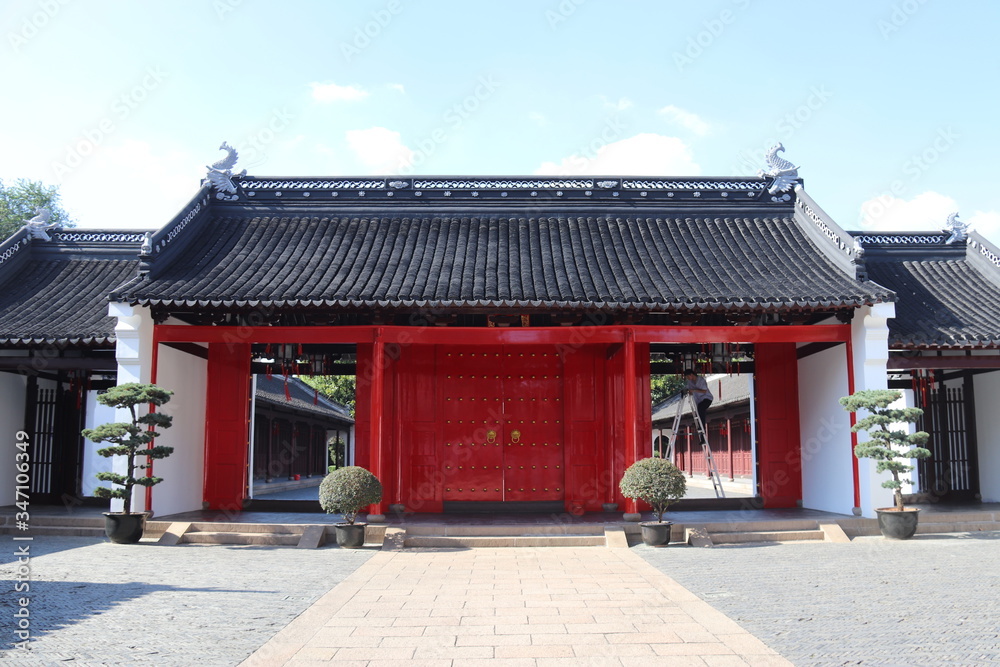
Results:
663 387
886 446
339 388
130 439
656 481
349 490
19 201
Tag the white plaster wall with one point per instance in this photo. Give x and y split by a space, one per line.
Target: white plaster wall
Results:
870 337
183 471
825 433
133 352
988 434
97 414
12 387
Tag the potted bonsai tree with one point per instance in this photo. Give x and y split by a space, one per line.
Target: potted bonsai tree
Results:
887 447
347 491
658 482
131 440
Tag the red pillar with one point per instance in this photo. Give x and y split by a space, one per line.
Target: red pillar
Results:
631 413
227 425
779 452
377 460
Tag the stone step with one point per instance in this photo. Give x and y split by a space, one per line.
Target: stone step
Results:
68 531
66 520
224 527
480 541
248 538
956 527
511 530
762 526
767 536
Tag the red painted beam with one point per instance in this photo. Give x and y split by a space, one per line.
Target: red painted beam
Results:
912 363
574 336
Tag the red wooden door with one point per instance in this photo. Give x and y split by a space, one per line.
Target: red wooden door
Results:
471 400
533 416
501 423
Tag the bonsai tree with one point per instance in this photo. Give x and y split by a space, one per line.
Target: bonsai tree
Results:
347 490
884 442
131 439
656 481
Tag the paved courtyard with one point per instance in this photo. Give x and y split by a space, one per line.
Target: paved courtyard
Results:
930 601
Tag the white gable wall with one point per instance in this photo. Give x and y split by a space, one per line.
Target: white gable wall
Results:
825 433
12 389
987 387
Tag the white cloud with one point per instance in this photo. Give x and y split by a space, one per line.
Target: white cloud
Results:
147 187
987 223
538 118
331 92
380 150
642 155
622 104
927 212
686 119
398 87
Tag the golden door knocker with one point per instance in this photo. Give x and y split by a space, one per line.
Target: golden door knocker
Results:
491 436
515 436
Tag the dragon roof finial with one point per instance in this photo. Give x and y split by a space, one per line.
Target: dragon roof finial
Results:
220 174
39 226
781 170
959 230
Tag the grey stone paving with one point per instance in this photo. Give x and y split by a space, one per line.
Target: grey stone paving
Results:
95 603
932 600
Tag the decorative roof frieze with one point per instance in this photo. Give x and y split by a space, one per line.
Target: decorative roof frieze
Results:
74 236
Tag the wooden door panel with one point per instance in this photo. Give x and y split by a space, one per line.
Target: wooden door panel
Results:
470 400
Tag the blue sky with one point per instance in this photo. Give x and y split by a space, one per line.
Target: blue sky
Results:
889 108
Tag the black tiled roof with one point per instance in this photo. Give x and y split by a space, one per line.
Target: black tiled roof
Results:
495 258
942 301
61 299
302 398
727 390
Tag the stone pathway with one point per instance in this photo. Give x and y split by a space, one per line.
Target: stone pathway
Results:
511 606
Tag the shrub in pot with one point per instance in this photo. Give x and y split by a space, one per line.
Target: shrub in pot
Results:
658 482
131 440
891 448
347 491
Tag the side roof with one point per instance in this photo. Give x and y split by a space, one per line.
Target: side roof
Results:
948 294
300 398
727 390
613 244
56 292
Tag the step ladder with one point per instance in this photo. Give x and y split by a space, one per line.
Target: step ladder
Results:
713 472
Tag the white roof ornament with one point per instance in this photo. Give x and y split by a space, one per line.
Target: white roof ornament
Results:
39 226
220 174
781 170
959 230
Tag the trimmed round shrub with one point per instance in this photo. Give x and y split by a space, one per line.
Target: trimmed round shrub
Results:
656 481
348 490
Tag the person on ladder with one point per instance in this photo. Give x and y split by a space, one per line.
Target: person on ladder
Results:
698 387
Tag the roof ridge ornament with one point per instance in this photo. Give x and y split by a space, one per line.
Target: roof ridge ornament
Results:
220 174
781 170
39 226
959 230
